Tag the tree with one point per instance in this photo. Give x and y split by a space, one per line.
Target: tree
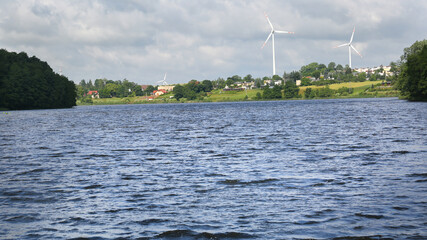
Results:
291 90
110 90
361 77
344 91
305 82
413 49
220 83
207 85
179 92
229 82
258 83
316 74
276 77
395 70
149 90
309 69
295 75
99 84
325 92
194 86
267 93
307 93
276 92
248 78
331 66
321 67
137 90
412 81
80 91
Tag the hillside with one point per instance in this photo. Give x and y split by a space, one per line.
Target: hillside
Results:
29 83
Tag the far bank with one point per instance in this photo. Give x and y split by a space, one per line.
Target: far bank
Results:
367 89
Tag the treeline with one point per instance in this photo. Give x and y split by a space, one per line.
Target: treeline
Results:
29 83
192 90
333 73
109 88
290 90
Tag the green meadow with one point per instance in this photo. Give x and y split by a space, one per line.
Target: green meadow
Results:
360 89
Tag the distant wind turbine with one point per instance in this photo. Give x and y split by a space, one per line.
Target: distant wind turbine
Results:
350 46
163 81
273 31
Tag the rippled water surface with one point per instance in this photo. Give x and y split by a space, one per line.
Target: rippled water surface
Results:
262 170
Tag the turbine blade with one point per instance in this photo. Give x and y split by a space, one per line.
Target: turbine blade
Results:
352 35
164 78
342 45
283 32
271 25
356 50
271 33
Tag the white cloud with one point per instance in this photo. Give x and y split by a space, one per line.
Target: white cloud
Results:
140 40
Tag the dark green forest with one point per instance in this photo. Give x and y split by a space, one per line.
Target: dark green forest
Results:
412 78
29 83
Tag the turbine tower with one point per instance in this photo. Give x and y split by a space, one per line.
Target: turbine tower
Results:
163 81
350 46
273 31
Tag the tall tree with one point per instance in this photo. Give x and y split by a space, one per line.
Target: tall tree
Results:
412 81
295 75
291 90
331 66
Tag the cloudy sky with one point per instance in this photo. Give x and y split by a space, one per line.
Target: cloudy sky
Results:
140 40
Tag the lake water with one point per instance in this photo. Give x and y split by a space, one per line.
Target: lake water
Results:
318 169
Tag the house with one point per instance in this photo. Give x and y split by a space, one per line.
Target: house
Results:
313 79
381 70
267 82
167 88
159 92
246 85
278 82
143 87
94 94
227 88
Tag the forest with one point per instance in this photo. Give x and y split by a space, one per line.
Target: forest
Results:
29 83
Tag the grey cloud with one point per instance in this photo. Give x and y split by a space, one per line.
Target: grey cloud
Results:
140 40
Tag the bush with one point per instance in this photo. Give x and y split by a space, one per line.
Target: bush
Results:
87 100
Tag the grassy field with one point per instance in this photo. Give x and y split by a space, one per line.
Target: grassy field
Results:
360 89
221 96
336 86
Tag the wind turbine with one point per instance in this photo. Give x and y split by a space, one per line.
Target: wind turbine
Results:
350 46
163 81
273 31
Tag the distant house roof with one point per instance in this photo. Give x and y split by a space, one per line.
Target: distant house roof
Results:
92 92
143 87
160 90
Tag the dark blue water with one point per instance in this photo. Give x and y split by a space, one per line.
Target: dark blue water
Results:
263 170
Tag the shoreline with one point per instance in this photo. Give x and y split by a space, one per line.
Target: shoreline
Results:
118 101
